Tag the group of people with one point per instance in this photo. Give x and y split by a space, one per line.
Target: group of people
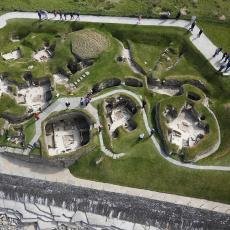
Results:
84 101
43 15
225 60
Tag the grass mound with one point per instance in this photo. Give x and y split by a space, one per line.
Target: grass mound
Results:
88 43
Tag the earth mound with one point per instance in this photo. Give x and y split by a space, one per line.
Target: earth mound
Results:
88 43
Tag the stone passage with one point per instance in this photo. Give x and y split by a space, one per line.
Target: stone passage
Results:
66 133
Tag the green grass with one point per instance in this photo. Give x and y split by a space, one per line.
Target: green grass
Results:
9 105
144 168
29 130
208 9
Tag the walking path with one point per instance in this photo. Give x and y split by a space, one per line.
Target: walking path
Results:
59 105
203 44
16 167
39 171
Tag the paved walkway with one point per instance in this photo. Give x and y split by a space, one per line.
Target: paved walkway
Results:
206 47
19 168
16 167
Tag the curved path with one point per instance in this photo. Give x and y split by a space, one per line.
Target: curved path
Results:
59 105
203 44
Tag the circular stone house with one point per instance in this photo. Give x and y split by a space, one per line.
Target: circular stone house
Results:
66 132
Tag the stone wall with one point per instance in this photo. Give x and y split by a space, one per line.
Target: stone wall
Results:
63 161
142 211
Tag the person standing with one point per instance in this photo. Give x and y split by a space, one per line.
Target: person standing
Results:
78 16
192 26
218 50
60 13
71 15
227 57
228 66
139 19
55 13
67 104
39 15
200 32
224 55
222 66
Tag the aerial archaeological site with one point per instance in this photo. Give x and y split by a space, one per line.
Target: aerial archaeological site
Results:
114 114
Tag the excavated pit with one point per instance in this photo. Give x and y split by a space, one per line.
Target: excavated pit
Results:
185 129
66 133
119 113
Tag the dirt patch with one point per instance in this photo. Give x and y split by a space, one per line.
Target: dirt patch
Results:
227 106
87 44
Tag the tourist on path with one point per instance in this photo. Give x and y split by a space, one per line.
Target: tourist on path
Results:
60 13
152 131
67 104
65 14
218 50
78 16
36 116
139 19
71 15
200 32
100 127
81 101
222 66
192 26
228 66
143 104
55 13
39 15
178 15
227 57
224 55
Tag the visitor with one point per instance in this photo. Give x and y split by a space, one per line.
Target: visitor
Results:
65 14
139 19
71 15
36 116
224 55
222 66
228 66
60 13
100 127
178 15
141 136
200 32
39 15
192 26
152 131
87 101
227 57
143 104
55 13
218 50
81 101
67 104
109 126
78 16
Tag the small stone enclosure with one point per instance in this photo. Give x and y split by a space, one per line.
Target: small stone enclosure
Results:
67 132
